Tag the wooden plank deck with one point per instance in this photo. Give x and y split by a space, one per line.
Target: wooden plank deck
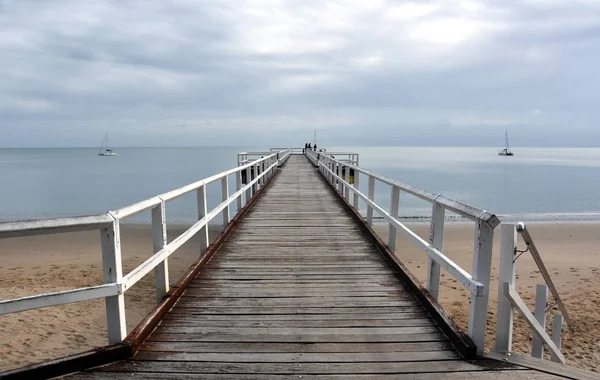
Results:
299 291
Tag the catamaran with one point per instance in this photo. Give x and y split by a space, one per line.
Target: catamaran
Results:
506 151
104 151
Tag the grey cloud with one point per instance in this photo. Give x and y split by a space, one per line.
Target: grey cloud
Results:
201 73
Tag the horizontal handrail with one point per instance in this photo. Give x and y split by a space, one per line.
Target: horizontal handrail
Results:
59 298
54 225
459 208
522 229
139 272
116 284
454 269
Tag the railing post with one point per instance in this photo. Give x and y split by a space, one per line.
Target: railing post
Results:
255 186
357 187
482 267
436 238
371 196
202 211
340 186
347 187
110 238
249 191
224 196
395 197
159 240
504 311
557 325
541 300
238 186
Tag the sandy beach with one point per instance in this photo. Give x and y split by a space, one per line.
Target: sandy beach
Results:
56 262
571 253
43 264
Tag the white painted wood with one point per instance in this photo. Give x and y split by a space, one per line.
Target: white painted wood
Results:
173 194
238 186
136 208
459 208
541 301
556 369
448 265
557 327
54 226
58 298
515 299
372 199
224 196
255 183
202 211
347 179
113 273
436 238
393 232
543 271
504 311
159 241
482 266
249 189
356 186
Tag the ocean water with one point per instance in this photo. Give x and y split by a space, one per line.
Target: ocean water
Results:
535 184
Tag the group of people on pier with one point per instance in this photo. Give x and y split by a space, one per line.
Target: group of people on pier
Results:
309 146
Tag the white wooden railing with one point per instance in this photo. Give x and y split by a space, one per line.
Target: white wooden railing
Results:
282 155
338 172
257 172
509 300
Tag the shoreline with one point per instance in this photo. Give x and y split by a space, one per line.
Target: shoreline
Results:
41 264
549 217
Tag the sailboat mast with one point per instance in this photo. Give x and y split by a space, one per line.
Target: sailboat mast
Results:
315 138
506 137
103 141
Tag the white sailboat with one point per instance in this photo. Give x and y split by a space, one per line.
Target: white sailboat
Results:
506 151
104 151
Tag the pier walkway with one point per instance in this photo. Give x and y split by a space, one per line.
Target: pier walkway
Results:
299 289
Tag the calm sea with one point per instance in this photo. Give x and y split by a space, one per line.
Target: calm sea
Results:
535 184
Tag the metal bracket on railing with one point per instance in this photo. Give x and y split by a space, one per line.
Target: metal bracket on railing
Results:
520 252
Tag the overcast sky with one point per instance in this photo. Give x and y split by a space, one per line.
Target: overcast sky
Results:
269 72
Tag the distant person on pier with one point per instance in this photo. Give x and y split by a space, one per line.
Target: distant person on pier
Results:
309 146
315 148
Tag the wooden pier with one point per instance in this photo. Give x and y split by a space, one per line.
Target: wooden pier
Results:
298 286
300 290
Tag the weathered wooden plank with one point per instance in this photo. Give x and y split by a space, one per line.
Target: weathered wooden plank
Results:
259 323
273 267
292 285
305 368
293 310
271 357
291 292
254 347
303 270
375 315
333 277
294 302
474 375
296 338
178 329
